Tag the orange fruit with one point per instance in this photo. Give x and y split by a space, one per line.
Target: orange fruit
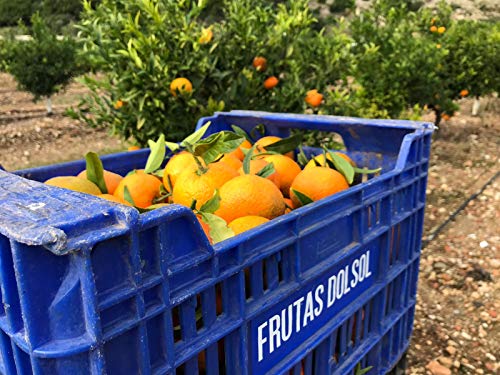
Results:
317 183
111 179
464 93
238 153
112 198
260 63
192 186
206 36
433 29
182 85
74 183
313 98
321 159
205 227
242 224
256 165
441 29
231 161
250 195
267 140
183 161
289 205
143 188
287 170
271 82
118 104
133 148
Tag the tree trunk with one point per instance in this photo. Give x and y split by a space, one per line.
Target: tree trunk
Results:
476 106
49 106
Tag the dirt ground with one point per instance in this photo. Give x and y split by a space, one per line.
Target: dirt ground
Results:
456 324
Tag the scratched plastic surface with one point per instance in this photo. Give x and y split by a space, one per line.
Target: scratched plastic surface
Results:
89 287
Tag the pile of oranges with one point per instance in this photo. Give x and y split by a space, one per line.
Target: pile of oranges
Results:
242 188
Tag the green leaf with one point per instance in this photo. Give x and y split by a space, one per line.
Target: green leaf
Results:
366 171
286 144
212 204
241 132
210 148
303 199
343 166
301 157
127 196
258 132
360 371
266 171
247 159
156 156
95 171
196 136
158 173
219 231
172 146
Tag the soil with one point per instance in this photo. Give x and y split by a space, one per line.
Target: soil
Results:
29 138
456 327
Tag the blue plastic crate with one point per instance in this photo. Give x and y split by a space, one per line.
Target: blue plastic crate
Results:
90 287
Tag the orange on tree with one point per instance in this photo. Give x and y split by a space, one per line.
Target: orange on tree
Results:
238 153
313 98
256 165
74 183
317 183
206 36
433 29
199 185
142 187
179 163
232 161
242 224
287 170
113 198
250 195
259 63
271 82
261 143
441 29
464 93
118 104
111 179
182 85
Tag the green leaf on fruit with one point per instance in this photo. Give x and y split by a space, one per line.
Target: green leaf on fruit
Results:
196 136
247 159
127 196
172 146
343 166
303 199
212 204
286 144
95 171
241 132
266 171
156 156
210 148
219 231
301 157
366 171
258 132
